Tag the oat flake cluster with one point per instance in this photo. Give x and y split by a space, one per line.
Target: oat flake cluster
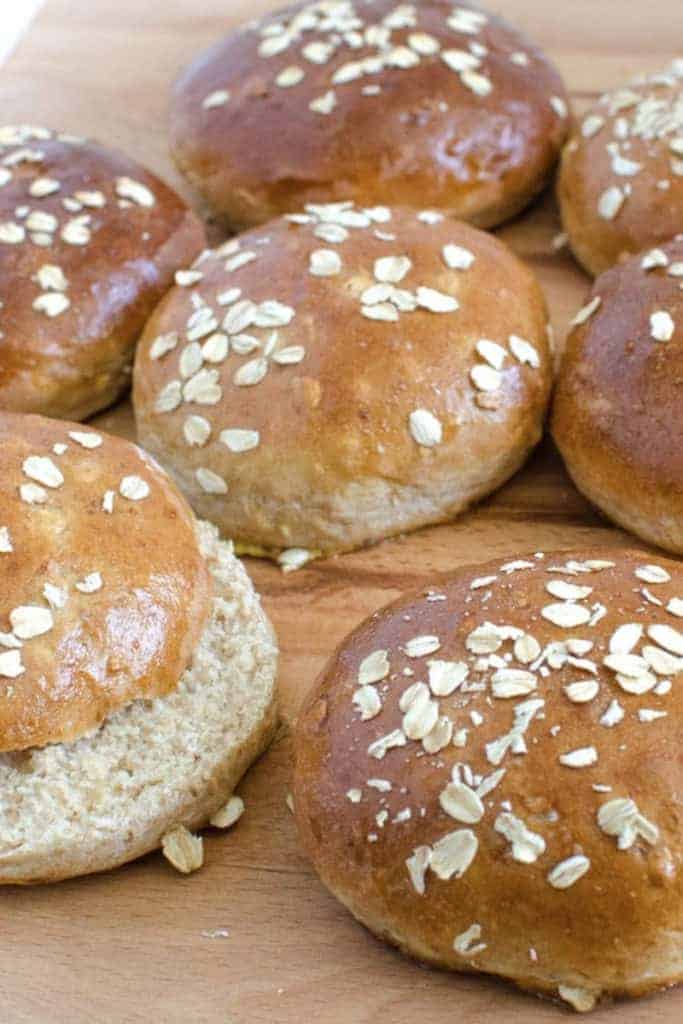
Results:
340 28
639 116
231 341
444 703
51 219
42 477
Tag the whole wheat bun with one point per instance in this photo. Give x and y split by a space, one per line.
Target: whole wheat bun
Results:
621 178
616 415
344 375
421 104
488 773
89 243
137 668
72 809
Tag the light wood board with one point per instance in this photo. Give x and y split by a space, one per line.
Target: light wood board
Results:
133 945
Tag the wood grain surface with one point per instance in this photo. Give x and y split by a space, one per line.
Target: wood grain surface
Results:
141 944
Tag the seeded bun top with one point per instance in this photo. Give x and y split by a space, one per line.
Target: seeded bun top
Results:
616 415
621 181
488 773
89 242
423 103
103 590
311 366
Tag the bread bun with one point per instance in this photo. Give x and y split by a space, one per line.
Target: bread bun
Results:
89 242
136 665
488 773
621 180
616 416
422 104
344 375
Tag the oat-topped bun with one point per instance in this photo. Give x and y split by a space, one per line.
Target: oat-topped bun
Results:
617 412
424 103
343 375
621 180
89 242
488 774
131 642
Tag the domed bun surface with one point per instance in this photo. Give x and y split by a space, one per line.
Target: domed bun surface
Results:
488 773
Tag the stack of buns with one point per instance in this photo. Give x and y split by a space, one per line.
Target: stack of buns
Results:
486 773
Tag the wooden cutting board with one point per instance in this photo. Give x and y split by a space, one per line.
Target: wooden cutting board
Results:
253 938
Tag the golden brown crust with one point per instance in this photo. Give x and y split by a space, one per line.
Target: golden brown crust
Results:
479 144
616 414
334 458
621 178
98 608
111 236
617 927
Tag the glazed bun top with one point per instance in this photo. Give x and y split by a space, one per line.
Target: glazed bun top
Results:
617 404
503 750
621 181
424 103
103 591
88 240
341 345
